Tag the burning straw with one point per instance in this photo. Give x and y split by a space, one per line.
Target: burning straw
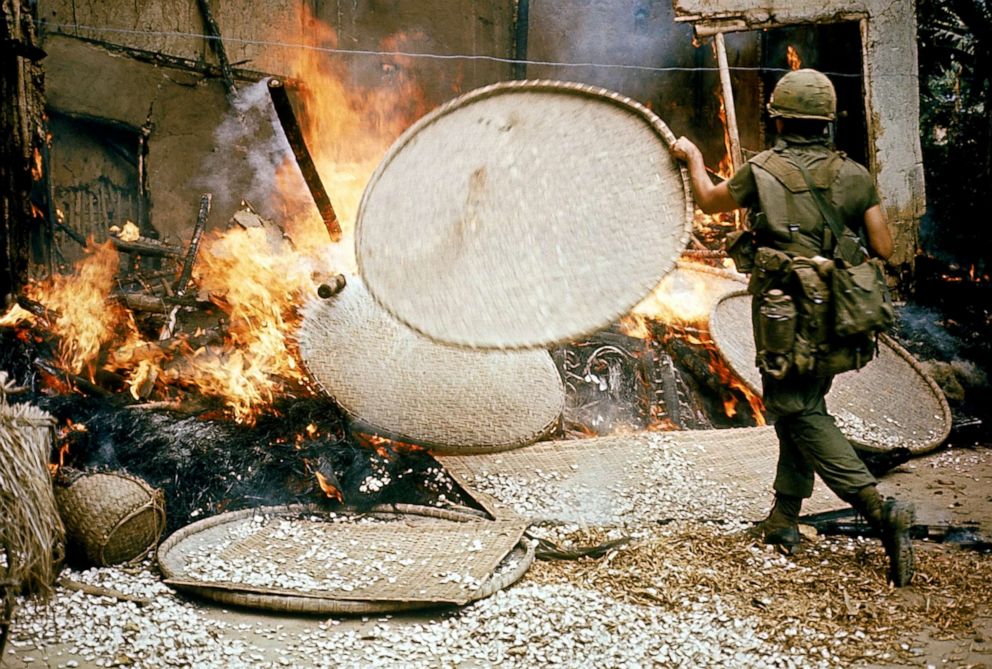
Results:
31 535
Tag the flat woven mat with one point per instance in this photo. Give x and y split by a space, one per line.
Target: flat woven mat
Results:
523 214
407 387
888 403
300 559
644 477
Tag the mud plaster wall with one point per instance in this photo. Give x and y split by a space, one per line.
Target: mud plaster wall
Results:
182 109
891 82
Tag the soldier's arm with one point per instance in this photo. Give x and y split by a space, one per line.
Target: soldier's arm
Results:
879 238
709 197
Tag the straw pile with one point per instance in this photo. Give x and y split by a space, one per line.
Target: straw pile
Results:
31 536
830 600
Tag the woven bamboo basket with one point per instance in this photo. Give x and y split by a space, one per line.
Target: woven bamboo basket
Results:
431 539
891 402
110 517
523 214
401 385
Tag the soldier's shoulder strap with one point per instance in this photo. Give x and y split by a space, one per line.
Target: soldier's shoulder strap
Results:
785 169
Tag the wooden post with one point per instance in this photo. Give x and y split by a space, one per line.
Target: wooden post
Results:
736 156
287 119
521 26
22 104
217 43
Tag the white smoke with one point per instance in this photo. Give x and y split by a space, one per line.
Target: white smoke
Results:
249 148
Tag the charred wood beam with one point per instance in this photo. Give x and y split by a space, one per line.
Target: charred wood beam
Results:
70 233
37 308
145 246
78 382
736 156
668 392
169 346
175 62
136 301
21 133
182 283
290 125
217 43
22 49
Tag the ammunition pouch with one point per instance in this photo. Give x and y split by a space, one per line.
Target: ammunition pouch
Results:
771 268
839 312
741 246
862 304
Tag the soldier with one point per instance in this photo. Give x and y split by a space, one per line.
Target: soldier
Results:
789 221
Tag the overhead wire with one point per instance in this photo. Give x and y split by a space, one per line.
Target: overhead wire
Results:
44 23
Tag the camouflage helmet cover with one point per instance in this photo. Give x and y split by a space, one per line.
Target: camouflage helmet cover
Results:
804 93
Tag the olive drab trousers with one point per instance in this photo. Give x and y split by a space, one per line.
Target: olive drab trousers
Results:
809 439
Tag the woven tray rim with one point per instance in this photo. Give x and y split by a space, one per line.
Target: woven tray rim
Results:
277 600
884 339
638 110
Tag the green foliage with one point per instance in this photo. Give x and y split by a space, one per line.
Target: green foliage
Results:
955 43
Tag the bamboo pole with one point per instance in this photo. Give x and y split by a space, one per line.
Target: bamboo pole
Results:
736 156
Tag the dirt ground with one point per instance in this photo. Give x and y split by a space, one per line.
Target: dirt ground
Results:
953 486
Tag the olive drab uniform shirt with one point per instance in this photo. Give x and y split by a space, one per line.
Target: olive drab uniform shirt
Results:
789 219
788 223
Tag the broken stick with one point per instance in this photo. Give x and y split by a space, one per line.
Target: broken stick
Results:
182 283
287 119
97 591
194 245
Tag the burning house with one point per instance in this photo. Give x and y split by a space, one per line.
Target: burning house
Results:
184 302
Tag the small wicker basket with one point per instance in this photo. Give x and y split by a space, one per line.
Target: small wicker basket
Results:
110 517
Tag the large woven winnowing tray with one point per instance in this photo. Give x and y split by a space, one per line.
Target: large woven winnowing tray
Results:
890 402
523 214
301 559
649 476
405 386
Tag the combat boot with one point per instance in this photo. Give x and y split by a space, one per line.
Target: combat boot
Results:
892 520
781 527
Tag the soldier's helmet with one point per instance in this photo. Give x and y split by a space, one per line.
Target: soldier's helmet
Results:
804 93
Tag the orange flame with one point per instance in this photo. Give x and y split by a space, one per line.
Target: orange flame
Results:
15 316
792 56
347 126
255 277
37 166
86 320
258 284
681 297
686 299
329 489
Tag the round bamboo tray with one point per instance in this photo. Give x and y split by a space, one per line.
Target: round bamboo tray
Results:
428 538
523 214
891 402
401 385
